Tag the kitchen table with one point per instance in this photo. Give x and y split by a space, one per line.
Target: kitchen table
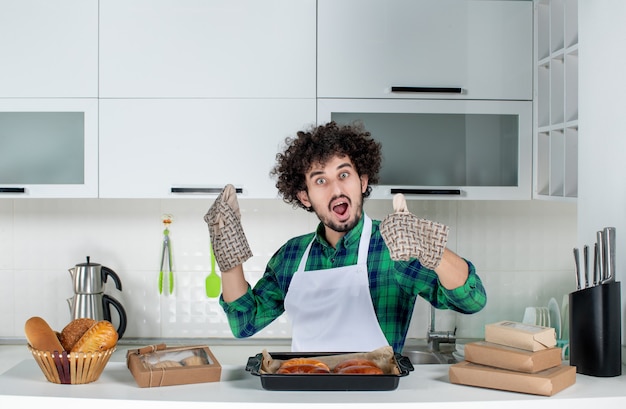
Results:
22 383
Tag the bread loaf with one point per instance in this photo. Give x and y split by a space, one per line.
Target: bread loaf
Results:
40 336
73 331
100 337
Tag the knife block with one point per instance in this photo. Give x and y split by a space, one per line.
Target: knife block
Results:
595 330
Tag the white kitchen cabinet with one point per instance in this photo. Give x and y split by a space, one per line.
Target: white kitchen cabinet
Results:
445 149
49 48
556 100
48 147
182 148
207 48
456 49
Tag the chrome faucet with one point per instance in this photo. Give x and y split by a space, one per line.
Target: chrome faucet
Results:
435 338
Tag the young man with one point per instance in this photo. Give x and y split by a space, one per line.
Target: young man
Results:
339 285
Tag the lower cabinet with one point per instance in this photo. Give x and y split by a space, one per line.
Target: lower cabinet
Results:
172 148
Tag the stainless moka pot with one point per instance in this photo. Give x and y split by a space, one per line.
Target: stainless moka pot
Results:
90 301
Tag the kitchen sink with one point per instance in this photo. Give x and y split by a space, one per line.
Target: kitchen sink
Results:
418 357
421 353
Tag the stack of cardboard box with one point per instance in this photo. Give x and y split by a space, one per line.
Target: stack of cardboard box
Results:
515 357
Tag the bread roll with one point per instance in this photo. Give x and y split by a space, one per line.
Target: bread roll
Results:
361 370
304 361
194 360
40 336
354 362
167 364
100 337
74 331
302 368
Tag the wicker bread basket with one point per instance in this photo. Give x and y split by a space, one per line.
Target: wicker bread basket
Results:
71 367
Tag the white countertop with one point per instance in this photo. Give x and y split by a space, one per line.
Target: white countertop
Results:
21 383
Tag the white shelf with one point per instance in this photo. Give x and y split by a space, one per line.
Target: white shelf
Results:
556 100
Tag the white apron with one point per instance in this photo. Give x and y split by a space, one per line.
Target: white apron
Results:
331 310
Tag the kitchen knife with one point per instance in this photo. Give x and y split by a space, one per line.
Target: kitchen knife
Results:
600 243
609 241
596 265
577 267
586 261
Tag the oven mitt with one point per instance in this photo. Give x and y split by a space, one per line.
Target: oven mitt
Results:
407 236
228 240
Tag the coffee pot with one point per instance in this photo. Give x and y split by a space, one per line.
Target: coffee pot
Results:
89 300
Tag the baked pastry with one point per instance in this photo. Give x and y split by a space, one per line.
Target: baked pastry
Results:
304 361
302 368
357 366
194 360
361 369
40 336
167 364
100 337
354 362
73 331
303 365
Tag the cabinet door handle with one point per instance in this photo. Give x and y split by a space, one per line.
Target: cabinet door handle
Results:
438 90
427 191
202 190
12 190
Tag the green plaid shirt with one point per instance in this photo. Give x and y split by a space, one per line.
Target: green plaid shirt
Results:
394 285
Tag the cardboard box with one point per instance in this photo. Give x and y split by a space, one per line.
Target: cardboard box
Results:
158 365
547 382
518 335
514 359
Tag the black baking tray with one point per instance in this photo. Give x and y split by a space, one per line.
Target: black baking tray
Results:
326 382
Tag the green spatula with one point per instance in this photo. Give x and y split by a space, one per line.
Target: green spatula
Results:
213 283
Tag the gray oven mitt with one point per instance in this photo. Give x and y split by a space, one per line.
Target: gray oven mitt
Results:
407 236
228 240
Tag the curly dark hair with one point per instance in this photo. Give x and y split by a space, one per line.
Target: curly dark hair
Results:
318 145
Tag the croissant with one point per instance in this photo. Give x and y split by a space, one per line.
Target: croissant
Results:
100 337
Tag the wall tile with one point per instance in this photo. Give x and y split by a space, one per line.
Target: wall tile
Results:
522 251
7 304
6 235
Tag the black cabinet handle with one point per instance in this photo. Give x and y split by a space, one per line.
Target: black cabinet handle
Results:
12 190
202 190
438 90
451 192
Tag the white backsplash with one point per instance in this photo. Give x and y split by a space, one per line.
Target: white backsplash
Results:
522 250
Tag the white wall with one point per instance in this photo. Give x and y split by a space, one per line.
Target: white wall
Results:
602 139
522 251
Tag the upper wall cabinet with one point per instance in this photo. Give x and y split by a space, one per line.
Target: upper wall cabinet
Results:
49 48
207 48
425 49
48 147
182 148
